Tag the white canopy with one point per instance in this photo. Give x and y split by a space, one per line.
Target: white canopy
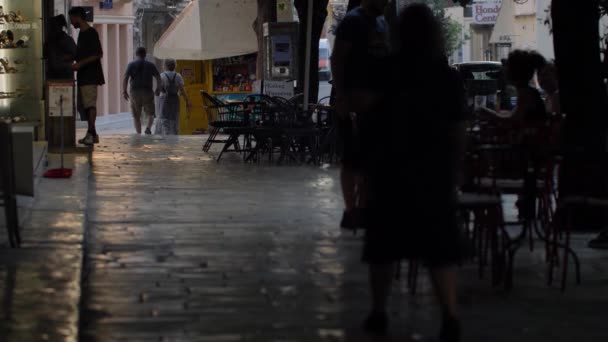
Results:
504 29
210 29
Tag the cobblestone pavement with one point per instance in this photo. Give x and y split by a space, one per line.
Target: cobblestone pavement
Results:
180 248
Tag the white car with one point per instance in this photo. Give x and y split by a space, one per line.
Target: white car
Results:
324 60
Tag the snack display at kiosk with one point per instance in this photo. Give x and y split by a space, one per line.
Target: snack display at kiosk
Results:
21 73
233 75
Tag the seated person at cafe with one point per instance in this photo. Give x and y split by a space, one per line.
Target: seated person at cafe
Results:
521 67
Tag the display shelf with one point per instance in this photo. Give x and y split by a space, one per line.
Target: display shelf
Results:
26 85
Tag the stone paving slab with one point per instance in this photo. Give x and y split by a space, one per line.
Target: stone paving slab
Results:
180 248
40 282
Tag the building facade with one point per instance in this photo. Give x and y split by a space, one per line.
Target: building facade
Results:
494 28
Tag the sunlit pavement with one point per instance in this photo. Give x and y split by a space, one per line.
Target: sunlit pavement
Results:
180 248
40 283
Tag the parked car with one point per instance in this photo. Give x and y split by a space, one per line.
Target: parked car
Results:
324 60
479 70
486 85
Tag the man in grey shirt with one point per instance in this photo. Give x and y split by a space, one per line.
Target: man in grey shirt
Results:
142 73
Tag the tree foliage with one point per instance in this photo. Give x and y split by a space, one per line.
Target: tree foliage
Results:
452 30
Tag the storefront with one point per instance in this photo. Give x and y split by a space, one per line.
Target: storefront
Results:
22 86
21 68
215 48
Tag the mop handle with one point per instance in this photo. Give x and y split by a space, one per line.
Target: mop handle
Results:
61 126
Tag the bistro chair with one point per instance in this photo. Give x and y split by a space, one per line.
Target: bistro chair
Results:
328 130
9 197
576 197
223 117
560 238
485 238
297 100
502 165
300 137
266 135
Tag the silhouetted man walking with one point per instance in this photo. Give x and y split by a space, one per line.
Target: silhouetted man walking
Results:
141 75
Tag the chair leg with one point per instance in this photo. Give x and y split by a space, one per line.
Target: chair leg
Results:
212 135
12 224
510 268
496 259
398 271
567 229
531 234
480 239
16 223
413 276
226 146
9 230
237 144
553 255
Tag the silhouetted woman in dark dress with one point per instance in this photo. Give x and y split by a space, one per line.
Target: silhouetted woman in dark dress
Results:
414 179
60 50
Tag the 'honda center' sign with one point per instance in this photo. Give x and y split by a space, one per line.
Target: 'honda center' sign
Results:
485 12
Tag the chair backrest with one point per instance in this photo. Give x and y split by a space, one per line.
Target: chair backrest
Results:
297 100
258 107
325 100
210 107
218 111
283 102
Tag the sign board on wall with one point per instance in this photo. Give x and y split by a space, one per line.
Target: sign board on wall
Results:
485 12
61 98
106 4
278 89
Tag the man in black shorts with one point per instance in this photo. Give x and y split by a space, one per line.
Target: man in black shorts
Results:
89 71
359 57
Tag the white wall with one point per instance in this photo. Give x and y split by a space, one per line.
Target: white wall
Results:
544 38
526 8
525 32
61 7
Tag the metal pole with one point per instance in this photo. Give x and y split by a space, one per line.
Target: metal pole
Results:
307 65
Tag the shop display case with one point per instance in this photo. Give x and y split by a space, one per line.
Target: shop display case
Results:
21 64
233 77
22 86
